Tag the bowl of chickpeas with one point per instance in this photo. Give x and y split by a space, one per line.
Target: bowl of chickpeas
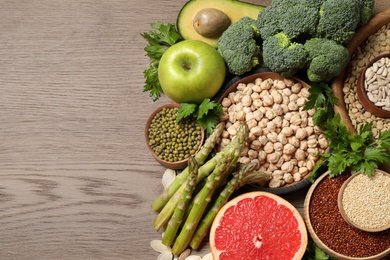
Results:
170 142
283 139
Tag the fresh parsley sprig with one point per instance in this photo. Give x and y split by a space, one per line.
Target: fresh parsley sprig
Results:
206 114
360 152
322 100
159 39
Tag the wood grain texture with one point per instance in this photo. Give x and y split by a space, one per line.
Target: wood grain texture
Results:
76 179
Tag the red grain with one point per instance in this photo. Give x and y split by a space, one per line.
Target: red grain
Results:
333 231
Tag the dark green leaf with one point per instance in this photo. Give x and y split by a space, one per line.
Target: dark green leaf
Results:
185 110
366 167
159 39
209 122
375 154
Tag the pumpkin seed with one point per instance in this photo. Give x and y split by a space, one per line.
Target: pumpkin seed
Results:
167 255
209 256
168 177
194 257
158 246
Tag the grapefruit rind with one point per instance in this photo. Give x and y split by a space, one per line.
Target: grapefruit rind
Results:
228 213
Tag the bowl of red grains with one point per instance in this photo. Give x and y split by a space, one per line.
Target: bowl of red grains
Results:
364 202
331 232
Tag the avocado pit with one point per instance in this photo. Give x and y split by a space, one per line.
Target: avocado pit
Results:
210 22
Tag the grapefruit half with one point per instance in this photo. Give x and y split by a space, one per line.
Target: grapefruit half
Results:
258 225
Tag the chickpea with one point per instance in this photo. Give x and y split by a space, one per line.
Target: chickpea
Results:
246 100
232 130
288 178
263 140
266 84
278 174
270 114
296 88
272 137
262 156
301 133
269 147
240 115
272 158
251 123
258 81
258 115
257 103
289 149
252 154
226 102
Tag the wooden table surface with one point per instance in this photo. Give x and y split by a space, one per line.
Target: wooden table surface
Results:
76 179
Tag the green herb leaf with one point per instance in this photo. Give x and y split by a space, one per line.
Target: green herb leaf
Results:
207 106
159 39
384 140
151 81
206 114
209 122
376 154
185 110
366 167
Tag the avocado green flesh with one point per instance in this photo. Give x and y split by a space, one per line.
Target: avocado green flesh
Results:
232 8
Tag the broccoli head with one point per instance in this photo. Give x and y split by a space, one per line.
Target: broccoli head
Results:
366 12
327 58
283 56
339 19
297 19
238 46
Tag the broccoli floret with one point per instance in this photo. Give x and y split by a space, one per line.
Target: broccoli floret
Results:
366 12
266 22
283 56
302 27
327 58
295 18
339 19
238 46
312 3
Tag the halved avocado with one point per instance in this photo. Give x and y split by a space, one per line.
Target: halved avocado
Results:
233 9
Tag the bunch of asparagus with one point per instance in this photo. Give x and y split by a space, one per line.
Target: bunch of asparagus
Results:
189 205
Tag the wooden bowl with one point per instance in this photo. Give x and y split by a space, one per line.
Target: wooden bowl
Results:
361 36
178 165
341 207
317 240
287 188
357 40
362 93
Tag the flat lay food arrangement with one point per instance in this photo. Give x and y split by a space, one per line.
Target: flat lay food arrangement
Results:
267 100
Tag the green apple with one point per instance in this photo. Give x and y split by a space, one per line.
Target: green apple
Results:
190 71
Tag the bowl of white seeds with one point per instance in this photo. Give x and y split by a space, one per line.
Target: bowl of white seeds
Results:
364 201
373 86
283 139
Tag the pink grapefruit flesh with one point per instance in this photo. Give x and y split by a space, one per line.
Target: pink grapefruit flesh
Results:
258 225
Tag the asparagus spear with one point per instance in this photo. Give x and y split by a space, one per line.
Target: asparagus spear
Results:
200 157
203 171
177 216
203 197
245 175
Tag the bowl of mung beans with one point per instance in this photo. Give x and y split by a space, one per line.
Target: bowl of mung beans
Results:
364 201
331 232
170 142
